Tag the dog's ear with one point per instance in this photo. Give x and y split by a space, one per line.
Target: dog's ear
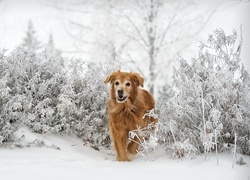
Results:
137 79
111 77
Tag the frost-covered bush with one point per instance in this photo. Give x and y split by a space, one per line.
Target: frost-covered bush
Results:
212 99
84 102
146 137
175 143
91 96
30 86
40 92
74 102
44 89
37 89
14 104
31 82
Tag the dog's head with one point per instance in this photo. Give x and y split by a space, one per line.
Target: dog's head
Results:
124 85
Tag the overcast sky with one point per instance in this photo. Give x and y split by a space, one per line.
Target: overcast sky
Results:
14 16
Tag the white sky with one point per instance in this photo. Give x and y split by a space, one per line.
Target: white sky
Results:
14 16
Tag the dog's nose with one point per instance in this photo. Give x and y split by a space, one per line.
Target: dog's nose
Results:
120 92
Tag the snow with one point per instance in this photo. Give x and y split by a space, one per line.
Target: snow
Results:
75 161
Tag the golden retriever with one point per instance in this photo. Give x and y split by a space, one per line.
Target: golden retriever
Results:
127 105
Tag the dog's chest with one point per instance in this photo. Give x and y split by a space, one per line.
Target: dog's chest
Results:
126 119
127 115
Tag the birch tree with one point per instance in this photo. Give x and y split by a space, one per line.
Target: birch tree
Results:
159 30
144 35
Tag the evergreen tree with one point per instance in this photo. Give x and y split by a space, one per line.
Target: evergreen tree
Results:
50 50
31 44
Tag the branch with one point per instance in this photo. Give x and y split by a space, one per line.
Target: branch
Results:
79 25
56 6
209 17
133 38
241 42
137 67
73 36
167 29
136 29
73 51
171 24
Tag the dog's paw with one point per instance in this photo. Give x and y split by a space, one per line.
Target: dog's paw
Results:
123 159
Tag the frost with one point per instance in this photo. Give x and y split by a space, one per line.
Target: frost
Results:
211 100
204 110
147 141
37 90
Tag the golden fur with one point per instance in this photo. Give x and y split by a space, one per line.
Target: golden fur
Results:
127 105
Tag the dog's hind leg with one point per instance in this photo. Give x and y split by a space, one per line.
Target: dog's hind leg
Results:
133 146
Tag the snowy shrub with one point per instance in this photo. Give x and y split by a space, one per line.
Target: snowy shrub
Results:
36 89
91 96
212 98
173 141
147 141
40 92
14 104
147 138
30 83
30 86
44 89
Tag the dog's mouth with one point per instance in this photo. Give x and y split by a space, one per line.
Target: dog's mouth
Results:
121 99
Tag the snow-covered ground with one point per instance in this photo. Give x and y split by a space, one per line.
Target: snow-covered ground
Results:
75 161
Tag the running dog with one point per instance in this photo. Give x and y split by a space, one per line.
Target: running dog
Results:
128 103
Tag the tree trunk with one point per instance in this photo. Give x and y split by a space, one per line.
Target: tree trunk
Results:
151 37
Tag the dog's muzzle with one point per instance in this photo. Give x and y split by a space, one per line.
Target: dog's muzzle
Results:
120 98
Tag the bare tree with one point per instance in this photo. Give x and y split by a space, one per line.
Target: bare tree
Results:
145 34
90 25
75 17
156 27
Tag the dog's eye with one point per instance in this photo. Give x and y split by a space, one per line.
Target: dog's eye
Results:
128 84
116 83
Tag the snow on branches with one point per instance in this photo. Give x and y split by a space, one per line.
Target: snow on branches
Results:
212 95
147 137
209 108
41 93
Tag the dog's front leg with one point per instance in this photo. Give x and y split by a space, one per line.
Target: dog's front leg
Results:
120 143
